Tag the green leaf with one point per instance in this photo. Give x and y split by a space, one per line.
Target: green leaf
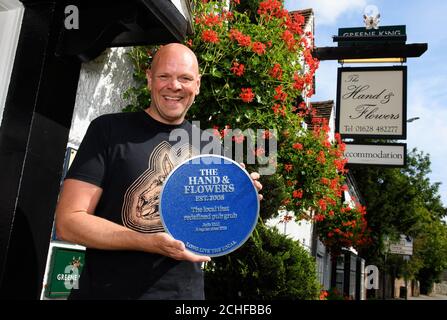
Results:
216 73
207 56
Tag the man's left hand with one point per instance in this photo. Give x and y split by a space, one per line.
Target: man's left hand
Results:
255 177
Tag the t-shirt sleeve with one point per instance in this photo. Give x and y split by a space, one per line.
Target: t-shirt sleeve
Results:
90 162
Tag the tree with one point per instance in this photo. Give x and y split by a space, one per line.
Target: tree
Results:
404 201
270 266
431 253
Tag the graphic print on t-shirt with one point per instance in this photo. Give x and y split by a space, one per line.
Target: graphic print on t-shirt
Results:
140 207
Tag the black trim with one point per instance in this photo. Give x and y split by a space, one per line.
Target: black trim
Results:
169 16
33 138
371 51
104 24
404 103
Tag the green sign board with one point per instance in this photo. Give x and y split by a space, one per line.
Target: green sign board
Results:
379 35
65 270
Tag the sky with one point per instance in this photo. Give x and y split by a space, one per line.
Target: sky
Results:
427 75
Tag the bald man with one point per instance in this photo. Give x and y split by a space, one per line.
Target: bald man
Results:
174 82
110 196
109 188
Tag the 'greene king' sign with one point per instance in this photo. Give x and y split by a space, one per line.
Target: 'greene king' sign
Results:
371 102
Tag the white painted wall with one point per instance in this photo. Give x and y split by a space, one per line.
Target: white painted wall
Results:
300 231
101 85
11 15
182 7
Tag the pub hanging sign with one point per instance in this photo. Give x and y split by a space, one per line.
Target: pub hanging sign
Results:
371 102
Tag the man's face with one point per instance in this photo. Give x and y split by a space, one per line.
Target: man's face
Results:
174 82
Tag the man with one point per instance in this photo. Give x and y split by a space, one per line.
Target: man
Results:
109 200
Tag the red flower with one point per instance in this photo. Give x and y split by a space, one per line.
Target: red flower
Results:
266 135
297 146
323 295
298 83
276 71
258 47
238 69
276 108
294 23
216 131
286 218
288 167
280 95
297 194
258 152
289 39
322 204
270 8
210 36
247 95
239 138
340 164
321 158
225 131
211 20
243 40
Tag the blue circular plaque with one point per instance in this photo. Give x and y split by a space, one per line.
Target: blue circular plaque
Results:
210 203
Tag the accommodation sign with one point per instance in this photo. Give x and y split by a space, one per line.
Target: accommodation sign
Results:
390 155
371 102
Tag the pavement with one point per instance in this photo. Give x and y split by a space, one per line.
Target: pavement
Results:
431 297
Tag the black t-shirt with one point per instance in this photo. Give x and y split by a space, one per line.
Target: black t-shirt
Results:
129 155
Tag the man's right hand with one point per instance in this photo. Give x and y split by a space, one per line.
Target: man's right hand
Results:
166 245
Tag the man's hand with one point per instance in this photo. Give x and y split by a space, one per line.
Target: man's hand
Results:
255 177
166 245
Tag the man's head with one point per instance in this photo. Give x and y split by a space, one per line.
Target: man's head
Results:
174 81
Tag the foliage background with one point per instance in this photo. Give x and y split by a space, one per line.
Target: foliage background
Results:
404 201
